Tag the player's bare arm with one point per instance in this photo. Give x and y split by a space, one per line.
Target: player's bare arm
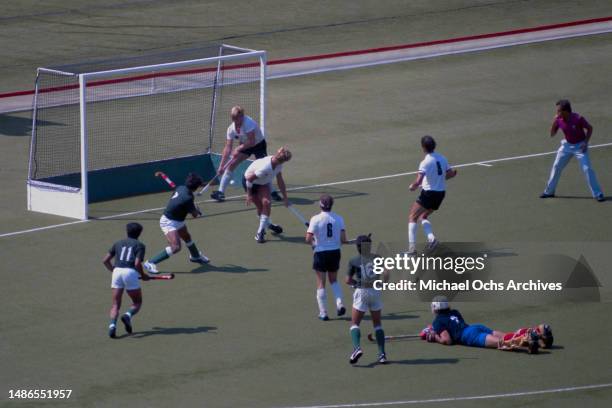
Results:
249 182
138 266
107 262
309 238
227 149
282 187
442 338
417 182
343 238
249 143
555 127
450 173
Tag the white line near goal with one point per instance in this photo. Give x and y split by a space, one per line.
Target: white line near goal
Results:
335 183
463 398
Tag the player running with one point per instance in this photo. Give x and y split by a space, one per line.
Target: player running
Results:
449 328
576 143
433 172
257 181
172 224
361 276
326 233
128 254
251 141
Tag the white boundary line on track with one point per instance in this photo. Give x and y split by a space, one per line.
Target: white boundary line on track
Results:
466 398
335 183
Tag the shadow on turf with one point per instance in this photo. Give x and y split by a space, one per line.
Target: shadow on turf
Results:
385 317
17 126
417 361
225 269
165 331
573 197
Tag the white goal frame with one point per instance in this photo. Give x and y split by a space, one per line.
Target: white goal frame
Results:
73 202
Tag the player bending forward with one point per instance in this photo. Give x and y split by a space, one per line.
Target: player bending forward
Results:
326 234
432 175
361 276
449 328
172 224
257 181
251 141
128 254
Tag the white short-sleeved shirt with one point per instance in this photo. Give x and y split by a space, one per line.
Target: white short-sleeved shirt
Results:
434 166
326 228
262 168
240 134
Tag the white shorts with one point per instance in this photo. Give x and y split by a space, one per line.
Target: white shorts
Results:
125 278
167 225
365 299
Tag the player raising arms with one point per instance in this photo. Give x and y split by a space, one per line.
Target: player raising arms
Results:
326 232
251 141
361 276
449 328
432 175
128 254
172 224
257 181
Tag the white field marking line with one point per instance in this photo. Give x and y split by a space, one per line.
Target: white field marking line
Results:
484 164
466 398
335 183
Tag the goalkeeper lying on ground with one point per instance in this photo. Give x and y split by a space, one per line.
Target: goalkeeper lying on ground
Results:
449 328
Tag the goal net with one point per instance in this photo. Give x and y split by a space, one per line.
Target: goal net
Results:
100 128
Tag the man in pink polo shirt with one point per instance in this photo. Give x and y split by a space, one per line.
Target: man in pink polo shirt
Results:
576 143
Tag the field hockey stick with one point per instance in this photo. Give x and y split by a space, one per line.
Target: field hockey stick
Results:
168 276
207 186
398 337
298 215
166 178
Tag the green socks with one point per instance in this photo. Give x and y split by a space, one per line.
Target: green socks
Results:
193 249
162 256
355 336
380 339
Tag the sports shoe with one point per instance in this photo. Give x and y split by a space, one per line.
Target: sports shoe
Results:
150 267
127 322
382 358
112 330
323 318
546 338
218 196
355 355
276 196
202 260
534 342
546 195
433 244
341 311
600 198
260 237
275 228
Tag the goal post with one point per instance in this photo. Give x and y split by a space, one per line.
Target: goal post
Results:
102 129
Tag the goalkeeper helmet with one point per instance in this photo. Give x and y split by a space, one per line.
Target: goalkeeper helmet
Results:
439 303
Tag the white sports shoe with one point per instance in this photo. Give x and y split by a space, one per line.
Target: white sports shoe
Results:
150 267
200 259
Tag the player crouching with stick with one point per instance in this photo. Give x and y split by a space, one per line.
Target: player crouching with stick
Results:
326 234
361 276
257 181
172 224
128 254
449 328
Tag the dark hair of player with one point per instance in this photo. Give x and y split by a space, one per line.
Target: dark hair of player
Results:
361 239
428 143
326 202
193 181
133 229
565 105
